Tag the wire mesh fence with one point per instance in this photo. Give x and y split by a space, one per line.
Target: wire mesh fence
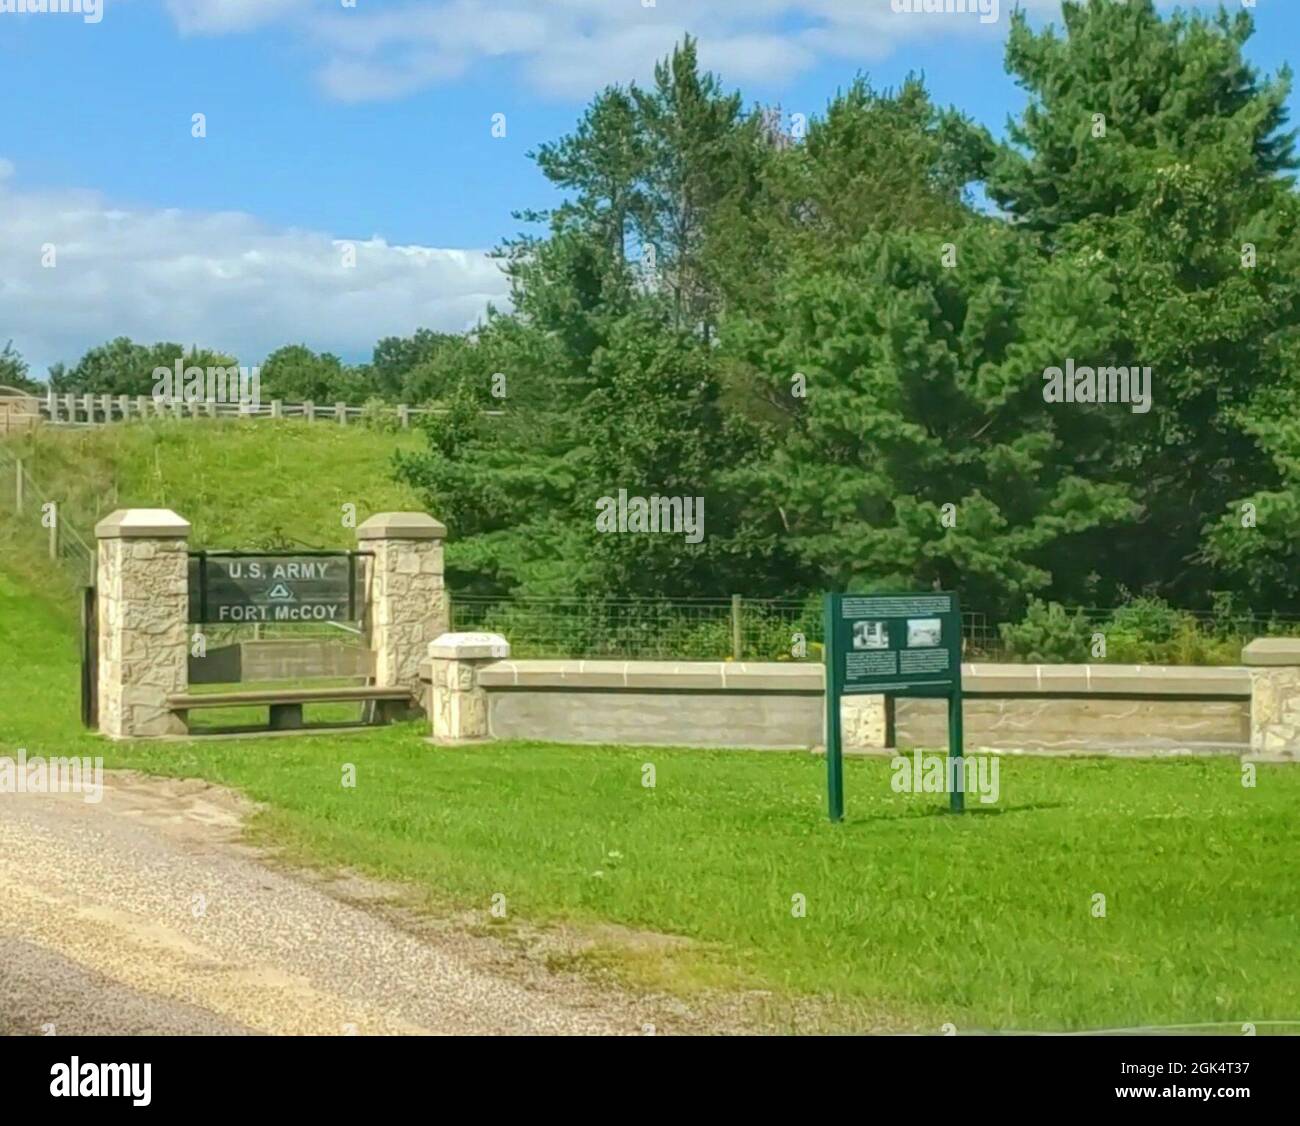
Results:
736 628
34 513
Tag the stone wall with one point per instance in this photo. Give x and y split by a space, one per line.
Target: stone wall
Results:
1009 707
306 658
1071 723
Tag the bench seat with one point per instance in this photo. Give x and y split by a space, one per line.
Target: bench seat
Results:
286 704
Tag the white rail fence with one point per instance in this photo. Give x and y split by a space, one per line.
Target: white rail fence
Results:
89 409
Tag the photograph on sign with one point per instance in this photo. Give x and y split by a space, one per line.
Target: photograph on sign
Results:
871 635
924 633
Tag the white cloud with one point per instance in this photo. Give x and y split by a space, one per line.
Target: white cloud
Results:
219 16
571 48
221 279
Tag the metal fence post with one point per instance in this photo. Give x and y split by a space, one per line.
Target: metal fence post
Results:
737 639
18 487
54 535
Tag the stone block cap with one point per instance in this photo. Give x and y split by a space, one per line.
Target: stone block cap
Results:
469 646
401 526
142 523
1272 651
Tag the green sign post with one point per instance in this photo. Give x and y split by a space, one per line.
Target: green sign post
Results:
891 645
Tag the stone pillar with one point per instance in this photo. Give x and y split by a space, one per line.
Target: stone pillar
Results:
143 599
1274 664
408 608
457 706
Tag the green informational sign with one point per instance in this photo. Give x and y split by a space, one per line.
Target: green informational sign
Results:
892 645
232 587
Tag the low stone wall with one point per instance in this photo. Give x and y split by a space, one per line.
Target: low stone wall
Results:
273 659
702 705
1060 724
723 704
1089 707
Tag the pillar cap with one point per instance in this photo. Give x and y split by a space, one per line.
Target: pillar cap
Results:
469 646
1272 651
401 526
143 523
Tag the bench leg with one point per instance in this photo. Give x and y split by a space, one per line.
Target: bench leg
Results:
286 717
389 711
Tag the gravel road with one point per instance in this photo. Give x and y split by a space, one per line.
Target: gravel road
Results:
145 914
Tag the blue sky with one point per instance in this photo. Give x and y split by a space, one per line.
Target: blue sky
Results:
370 124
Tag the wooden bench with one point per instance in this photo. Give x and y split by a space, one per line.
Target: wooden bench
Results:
286 703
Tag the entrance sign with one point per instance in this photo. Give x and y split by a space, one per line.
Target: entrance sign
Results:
229 587
892 645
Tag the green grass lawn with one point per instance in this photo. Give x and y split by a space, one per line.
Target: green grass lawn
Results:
914 917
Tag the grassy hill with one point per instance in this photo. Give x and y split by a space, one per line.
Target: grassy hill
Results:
236 482
241 484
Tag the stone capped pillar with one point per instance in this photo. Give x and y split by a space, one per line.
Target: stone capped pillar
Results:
143 610
1274 664
457 705
408 607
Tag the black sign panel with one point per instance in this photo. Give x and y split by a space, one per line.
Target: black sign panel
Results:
894 642
231 589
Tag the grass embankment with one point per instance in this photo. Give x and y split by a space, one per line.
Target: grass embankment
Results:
914 917
239 483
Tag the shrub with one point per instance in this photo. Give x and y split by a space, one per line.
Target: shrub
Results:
1047 634
377 414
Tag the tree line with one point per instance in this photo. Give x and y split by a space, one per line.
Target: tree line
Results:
839 339
837 335
401 369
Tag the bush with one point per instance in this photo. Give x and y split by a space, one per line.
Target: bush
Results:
1144 631
377 414
1048 634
